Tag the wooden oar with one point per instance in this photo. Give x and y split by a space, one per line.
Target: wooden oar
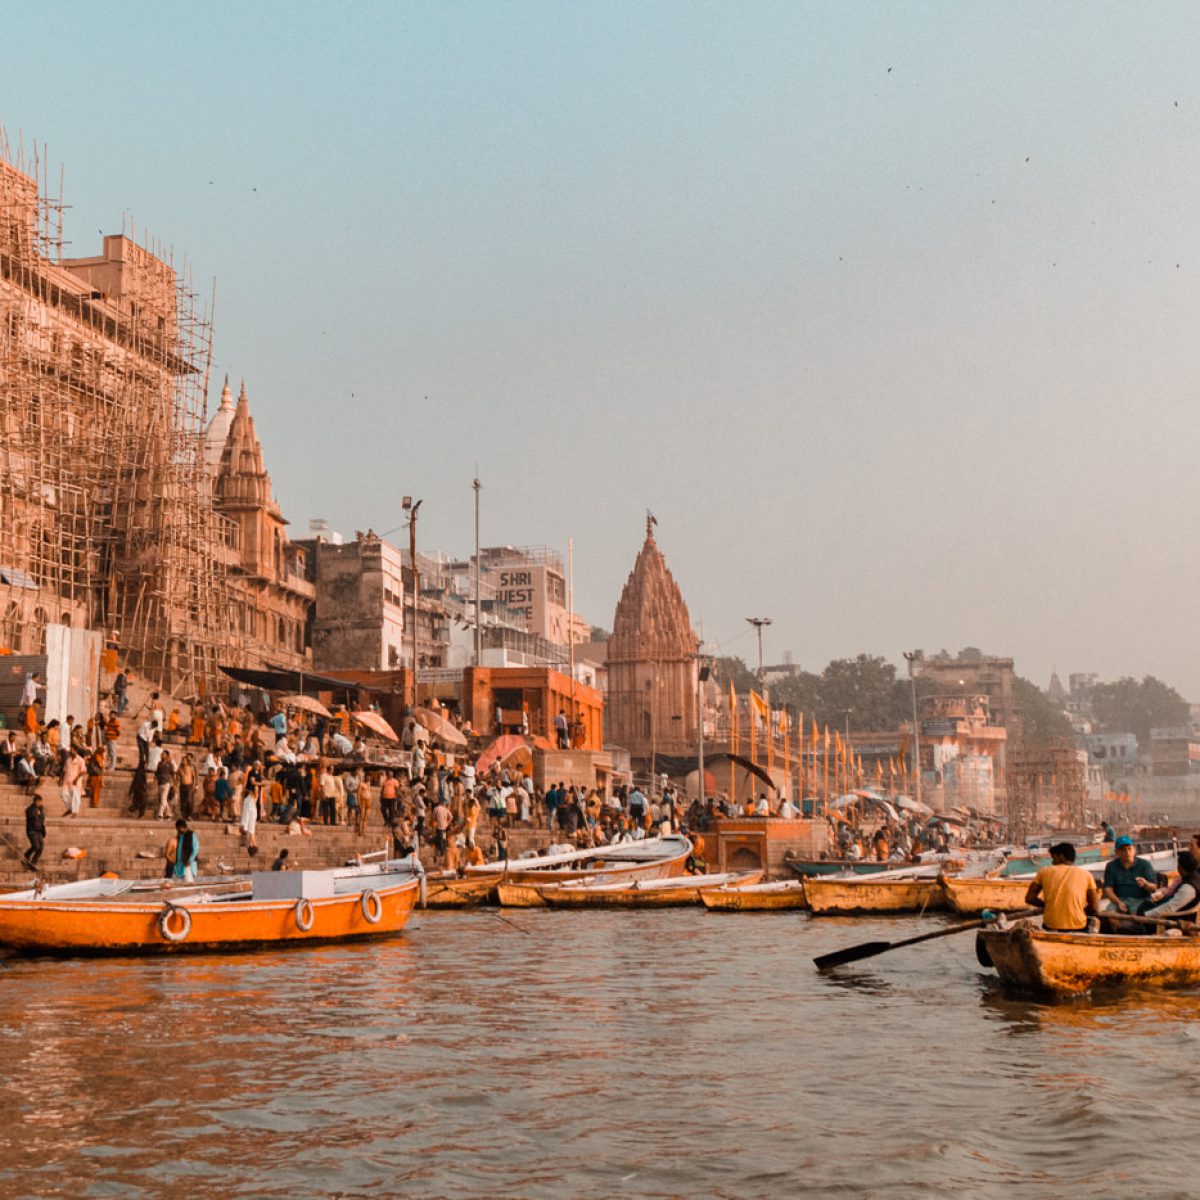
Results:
870 949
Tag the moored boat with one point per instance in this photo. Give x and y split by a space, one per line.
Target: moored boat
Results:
652 858
1072 964
806 867
862 896
786 894
971 895
449 890
641 893
116 916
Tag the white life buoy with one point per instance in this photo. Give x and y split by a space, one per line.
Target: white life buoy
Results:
372 906
169 913
304 915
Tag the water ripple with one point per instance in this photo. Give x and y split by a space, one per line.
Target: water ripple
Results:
594 1054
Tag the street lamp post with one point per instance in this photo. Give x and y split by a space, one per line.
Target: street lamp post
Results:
478 636
412 509
911 657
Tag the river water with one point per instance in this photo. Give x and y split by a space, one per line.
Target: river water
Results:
671 1053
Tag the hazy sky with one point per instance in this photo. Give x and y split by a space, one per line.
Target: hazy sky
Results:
888 311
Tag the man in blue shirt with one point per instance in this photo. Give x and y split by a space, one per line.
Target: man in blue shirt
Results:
1128 880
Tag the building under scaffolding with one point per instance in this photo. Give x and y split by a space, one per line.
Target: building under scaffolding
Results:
1047 787
107 515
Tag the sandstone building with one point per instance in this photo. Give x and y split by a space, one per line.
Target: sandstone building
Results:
110 516
652 663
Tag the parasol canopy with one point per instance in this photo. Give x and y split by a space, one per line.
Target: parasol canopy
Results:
506 746
376 724
439 727
307 703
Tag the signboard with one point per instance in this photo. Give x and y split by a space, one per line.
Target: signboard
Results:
515 591
440 675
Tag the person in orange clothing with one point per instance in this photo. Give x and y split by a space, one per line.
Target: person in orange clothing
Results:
95 776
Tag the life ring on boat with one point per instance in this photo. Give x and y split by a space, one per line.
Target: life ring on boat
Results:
168 914
304 915
372 906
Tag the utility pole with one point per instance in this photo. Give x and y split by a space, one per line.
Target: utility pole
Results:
478 632
758 623
701 677
571 634
911 657
411 509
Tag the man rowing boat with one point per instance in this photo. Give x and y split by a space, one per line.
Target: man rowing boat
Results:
1066 893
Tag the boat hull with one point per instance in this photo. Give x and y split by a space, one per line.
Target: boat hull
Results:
970 897
1073 964
520 889
634 896
859 897
769 897
460 893
807 867
100 927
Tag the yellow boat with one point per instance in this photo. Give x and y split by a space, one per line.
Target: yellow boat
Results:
787 894
1072 964
520 895
640 859
866 894
450 891
658 858
641 893
971 896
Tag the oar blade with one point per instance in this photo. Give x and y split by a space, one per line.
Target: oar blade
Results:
851 954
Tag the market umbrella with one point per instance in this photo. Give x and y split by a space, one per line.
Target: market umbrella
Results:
307 703
440 727
506 746
376 724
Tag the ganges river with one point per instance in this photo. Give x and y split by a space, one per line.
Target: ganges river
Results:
602 1053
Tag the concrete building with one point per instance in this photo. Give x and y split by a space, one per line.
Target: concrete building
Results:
962 753
1115 751
363 608
652 663
987 676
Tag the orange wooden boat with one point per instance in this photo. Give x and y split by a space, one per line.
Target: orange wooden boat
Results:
627 857
445 890
653 858
1072 964
866 894
115 916
675 891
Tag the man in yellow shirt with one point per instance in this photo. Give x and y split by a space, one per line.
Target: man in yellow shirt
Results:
1067 894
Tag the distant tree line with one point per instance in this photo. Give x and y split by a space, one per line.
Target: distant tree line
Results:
878 697
1137 706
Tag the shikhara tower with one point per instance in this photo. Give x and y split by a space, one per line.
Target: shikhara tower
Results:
651 705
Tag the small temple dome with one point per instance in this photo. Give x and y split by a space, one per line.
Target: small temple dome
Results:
217 433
